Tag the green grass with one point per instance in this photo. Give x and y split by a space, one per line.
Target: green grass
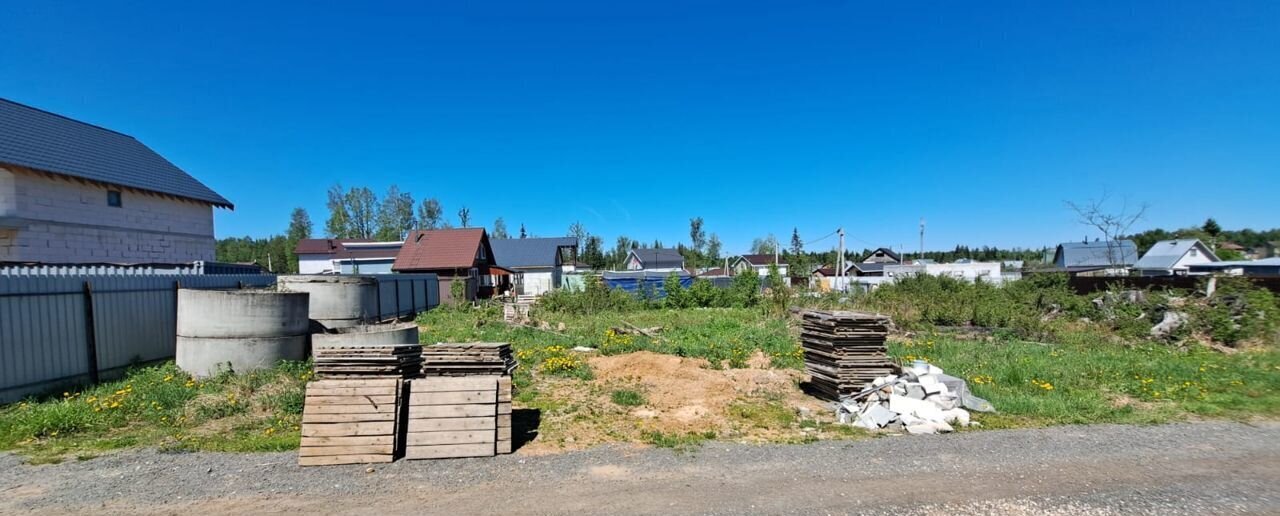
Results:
627 398
161 406
1034 384
681 443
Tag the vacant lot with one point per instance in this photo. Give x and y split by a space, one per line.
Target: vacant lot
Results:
691 375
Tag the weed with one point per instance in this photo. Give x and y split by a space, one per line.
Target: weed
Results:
628 398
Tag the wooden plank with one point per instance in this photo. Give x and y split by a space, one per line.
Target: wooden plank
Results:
449 451
504 408
348 440
348 429
330 384
367 408
351 391
504 434
433 411
350 400
504 421
454 423
460 437
503 447
347 418
325 451
459 383
452 398
344 459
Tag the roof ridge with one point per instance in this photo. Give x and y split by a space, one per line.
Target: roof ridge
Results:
65 117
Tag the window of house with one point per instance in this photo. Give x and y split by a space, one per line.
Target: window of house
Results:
113 198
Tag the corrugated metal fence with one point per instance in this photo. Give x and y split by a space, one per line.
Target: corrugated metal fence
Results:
401 295
60 331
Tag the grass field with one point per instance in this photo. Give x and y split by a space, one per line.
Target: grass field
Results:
1031 384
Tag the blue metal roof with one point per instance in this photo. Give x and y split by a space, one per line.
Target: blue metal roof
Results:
529 252
41 140
1096 254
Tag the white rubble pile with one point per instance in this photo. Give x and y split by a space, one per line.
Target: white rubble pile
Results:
922 400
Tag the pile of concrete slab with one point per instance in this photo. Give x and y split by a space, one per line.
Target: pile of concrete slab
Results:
920 400
843 351
468 359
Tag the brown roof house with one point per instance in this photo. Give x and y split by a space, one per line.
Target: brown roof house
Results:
345 256
454 255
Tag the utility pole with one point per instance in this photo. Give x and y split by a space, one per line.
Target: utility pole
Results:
921 237
840 260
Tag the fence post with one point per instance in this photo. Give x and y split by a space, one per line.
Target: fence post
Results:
91 338
413 298
396 316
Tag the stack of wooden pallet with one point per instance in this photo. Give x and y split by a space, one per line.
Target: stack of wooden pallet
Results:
453 417
365 361
468 359
350 421
843 351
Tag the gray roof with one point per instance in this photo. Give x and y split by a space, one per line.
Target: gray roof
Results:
529 252
1095 254
659 258
1165 253
41 140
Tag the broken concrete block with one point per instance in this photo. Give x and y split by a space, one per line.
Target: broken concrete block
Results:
956 416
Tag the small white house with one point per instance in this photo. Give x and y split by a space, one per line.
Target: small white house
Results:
1174 257
346 256
539 264
759 263
72 192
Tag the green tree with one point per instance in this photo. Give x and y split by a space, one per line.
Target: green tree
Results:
713 249
697 235
299 225
766 245
395 217
745 289
593 253
500 229
523 233
362 206
1211 227
431 215
339 223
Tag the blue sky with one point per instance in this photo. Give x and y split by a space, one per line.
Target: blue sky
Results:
983 118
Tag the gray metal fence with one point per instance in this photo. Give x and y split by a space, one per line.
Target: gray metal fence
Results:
401 295
58 331
66 330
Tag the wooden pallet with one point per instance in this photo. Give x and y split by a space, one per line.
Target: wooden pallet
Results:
451 417
350 421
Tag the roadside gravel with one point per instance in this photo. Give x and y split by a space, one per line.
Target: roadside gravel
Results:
1192 468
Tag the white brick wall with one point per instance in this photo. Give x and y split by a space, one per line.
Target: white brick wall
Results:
70 222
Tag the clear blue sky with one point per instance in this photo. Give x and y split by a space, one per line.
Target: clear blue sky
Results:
982 118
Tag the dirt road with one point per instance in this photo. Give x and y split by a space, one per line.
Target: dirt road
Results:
1197 468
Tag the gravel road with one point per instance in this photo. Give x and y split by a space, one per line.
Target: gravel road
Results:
1193 468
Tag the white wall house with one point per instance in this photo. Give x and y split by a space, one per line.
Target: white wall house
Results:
758 263
1169 257
72 192
539 264
346 256
656 260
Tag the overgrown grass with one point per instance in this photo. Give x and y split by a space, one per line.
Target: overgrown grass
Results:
1034 384
162 406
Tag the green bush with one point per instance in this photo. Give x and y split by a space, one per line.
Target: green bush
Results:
628 398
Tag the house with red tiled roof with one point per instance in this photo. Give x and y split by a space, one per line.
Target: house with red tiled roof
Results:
462 254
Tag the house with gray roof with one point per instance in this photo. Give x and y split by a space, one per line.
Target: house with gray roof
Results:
1174 257
73 192
539 264
648 259
1107 257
